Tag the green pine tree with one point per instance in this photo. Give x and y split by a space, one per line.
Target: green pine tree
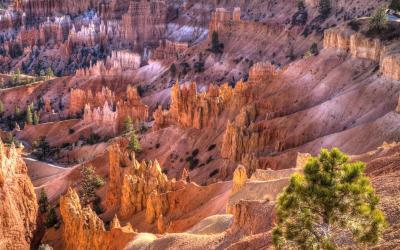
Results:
43 201
216 46
49 73
17 113
128 124
36 118
29 116
324 8
88 185
1 107
395 5
52 218
379 20
300 5
134 144
331 201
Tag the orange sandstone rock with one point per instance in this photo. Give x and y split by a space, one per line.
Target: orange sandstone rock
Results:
18 205
82 229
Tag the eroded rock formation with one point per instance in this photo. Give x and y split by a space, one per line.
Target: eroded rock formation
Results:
18 206
169 50
134 186
105 109
82 229
115 65
198 110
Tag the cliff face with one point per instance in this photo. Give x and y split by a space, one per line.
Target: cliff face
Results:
18 206
149 20
38 8
360 46
82 229
253 217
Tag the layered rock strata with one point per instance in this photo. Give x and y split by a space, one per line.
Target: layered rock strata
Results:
361 46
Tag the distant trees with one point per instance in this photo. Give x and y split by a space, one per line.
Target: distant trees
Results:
324 8
173 69
395 5
332 202
378 21
216 46
16 77
41 148
49 73
199 65
1 108
300 5
29 116
314 48
313 51
88 185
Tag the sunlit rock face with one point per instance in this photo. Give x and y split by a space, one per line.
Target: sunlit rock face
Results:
18 206
82 229
134 187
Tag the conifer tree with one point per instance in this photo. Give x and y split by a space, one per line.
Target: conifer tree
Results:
134 144
36 118
52 218
395 5
1 107
378 21
29 116
324 8
43 201
88 185
128 124
333 200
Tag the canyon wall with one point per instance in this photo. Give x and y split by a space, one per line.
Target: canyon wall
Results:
144 23
360 46
82 229
44 8
169 50
18 206
227 23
